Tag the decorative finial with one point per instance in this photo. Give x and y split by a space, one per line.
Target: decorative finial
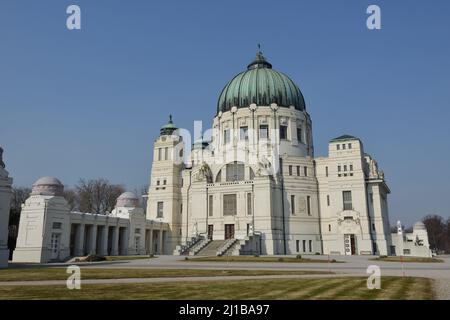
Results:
170 118
259 47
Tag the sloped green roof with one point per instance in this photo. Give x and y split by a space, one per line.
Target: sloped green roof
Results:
344 137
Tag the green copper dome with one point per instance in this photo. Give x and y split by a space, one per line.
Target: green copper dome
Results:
262 85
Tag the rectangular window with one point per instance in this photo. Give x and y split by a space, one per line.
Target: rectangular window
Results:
326 171
299 135
343 146
297 245
347 198
137 230
293 205
181 208
57 225
328 200
310 246
157 182
351 167
290 170
283 132
305 171
329 227
160 209
339 168
349 145
338 147
226 136
298 170
308 205
210 206
304 245
229 204
243 133
373 226
264 131
249 204
345 167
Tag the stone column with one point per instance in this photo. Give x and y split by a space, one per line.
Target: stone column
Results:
79 240
93 236
150 244
125 241
115 241
104 241
161 247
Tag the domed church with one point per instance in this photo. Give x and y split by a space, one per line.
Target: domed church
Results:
255 186
250 186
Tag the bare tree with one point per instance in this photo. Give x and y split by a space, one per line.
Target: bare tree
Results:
97 196
436 229
72 199
142 193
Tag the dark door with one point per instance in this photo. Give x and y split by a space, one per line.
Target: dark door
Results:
210 231
353 244
229 231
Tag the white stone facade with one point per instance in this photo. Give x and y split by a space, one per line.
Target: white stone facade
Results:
5 203
414 244
49 231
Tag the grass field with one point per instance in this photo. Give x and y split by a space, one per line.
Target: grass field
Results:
34 274
334 288
259 259
407 259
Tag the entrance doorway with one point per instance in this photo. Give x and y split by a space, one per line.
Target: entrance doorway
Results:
229 231
350 244
55 243
210 231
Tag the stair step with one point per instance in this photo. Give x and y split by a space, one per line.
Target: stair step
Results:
211 248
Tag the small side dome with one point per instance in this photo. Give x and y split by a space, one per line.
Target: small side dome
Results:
169 128
48 186
419 226
128 199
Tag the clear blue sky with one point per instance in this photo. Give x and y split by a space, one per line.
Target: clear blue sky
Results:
88 104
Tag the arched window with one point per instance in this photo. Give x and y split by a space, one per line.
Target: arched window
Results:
235 171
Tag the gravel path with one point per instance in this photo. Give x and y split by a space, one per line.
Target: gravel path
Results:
442 289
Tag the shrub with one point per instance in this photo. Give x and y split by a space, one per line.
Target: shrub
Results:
186 258
280 259
256 255
299 256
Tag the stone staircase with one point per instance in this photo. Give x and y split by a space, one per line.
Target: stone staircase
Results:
188 246
228 247
211 249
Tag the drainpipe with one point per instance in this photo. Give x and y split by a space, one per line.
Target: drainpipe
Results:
282 205
187 206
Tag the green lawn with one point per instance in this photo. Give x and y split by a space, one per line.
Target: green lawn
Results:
31 274
259 259
333 288
407 259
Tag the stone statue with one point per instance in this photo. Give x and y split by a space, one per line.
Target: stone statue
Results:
204 173
399 227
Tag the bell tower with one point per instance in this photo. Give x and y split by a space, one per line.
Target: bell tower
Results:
164 194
